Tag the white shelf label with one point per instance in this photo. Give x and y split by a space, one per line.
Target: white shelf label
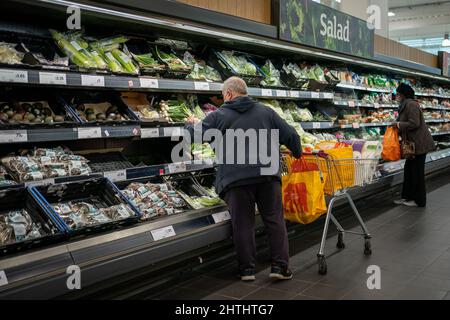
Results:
13 76
204 86
221 216
355 125
89 133
328 95
149 83
376 105
176 167
173 131
316 125
3 278
266 92
163 233
281 93
114 176
294 94
315 95
351 104
52 78
13 136
149 133
92 81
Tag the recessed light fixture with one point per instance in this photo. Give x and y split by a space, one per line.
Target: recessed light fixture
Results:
446 41
391 14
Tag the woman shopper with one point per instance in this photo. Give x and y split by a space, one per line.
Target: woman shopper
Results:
413 132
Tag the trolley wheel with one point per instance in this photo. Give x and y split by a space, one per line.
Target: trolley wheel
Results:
367 247
340 243
322 265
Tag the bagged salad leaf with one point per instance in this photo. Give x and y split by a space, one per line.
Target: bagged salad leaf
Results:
272 75
173 62
305 115
316 73
294 69
239 63
200 70
9 55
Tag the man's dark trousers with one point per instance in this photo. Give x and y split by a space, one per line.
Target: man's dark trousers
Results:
241 202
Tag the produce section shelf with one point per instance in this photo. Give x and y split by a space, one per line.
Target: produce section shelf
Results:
74 79
361 88
440 133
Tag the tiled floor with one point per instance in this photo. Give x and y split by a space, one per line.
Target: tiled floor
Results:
411 246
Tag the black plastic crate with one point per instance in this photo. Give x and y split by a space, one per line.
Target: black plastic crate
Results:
23 198
36 102
170 73
137 46
111 161
98 192
216 61
259 63
78 98
290 80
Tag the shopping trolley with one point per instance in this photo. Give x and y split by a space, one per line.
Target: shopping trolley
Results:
340 176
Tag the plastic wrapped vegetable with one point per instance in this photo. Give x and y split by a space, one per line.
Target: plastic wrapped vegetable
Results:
113 64
9 55
272 75
294 69
109 44
173 62
125 61
239 63
74 53
305 115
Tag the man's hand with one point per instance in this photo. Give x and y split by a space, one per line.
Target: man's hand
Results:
395 125
192 120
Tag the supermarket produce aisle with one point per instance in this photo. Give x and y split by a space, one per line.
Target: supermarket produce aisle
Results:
410 245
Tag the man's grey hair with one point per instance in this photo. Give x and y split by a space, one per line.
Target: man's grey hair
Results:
235 84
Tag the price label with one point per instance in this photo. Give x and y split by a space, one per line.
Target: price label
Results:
114 176
13 76
176 167
163 233
149 133
376 105
149 83
92 81
266 92
315 95
173 131
281 93
204 86
52 78
351 104
89 133
8 136
221 216
316 125
355 125
294 94
433 158
3 278
328 95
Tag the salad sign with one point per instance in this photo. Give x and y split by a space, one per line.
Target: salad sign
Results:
317 25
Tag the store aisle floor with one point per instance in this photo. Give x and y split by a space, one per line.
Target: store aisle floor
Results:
411 246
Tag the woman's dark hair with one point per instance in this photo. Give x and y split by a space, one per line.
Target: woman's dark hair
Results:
406 90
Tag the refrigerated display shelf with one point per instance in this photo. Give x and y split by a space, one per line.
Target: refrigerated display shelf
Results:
440 133
43 272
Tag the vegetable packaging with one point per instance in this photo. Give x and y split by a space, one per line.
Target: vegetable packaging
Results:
272 78
239 63
9 55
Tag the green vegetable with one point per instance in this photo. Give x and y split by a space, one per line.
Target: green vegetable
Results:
108 44
113 64
172 60
239 64
125 61
77 57
272 75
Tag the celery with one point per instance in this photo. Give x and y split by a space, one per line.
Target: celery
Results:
125 61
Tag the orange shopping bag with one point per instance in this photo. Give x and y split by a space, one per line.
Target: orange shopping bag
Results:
391 145
303 197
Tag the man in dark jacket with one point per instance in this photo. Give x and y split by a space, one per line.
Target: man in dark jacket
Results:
242 184
412 128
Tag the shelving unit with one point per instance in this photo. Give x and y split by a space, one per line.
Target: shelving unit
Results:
106 254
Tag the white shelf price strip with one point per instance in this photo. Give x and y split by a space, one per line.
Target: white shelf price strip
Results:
266 92
52 78
221 216
13 76
89 133
176 167
92 81
13 136
281 93
201 86
114 176
173 131
149 133
149 83
163 233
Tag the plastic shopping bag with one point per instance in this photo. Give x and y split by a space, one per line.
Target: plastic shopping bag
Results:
391 145
303 197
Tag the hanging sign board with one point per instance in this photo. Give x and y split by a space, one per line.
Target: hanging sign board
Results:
313 24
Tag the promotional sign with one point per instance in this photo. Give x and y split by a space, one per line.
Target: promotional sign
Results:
444 63
310 23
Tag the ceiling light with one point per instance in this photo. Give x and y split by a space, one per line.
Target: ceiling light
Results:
391 14
446 41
